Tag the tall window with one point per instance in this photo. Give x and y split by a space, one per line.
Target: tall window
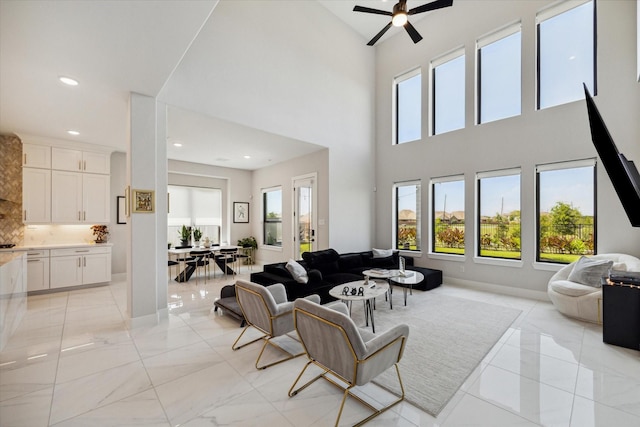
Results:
566 202
407 216
448 92
499 214
448 215
566 53
272 216
499 74
408 91
194 207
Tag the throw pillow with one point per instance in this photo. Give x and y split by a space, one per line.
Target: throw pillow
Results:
297 271
382 253
588 271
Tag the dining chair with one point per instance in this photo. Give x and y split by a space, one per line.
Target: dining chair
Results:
227 256
200 261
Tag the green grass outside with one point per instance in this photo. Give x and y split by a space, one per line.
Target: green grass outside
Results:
560 258
501 254
455 251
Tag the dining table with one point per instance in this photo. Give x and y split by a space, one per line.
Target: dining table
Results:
182 255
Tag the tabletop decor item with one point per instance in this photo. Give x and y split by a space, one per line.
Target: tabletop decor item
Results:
101 232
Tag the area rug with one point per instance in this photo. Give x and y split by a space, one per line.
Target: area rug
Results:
448 338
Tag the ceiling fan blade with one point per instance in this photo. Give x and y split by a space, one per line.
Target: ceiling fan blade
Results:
370 10
438 4
413 33
380 34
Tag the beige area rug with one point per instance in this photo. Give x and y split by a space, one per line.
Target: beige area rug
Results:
448 338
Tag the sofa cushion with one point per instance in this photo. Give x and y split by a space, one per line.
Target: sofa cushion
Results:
588 271
348 262
297 271
279 269
382 253
325 261
387 262
572 289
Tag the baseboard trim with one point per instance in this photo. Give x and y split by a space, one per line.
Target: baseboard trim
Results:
498 289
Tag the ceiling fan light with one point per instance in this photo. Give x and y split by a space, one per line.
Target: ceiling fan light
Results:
399 19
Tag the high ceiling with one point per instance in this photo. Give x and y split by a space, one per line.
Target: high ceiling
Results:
116 47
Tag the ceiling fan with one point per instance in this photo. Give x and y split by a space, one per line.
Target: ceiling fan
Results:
399 17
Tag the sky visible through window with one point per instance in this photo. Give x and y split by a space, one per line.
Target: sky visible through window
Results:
449 96
571 186
499 195
449 196
500 79
409 94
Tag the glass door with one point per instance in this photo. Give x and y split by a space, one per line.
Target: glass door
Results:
304 214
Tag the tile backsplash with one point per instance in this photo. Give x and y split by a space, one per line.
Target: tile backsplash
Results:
11 228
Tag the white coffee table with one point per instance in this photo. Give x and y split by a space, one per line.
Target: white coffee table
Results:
369 293
406 282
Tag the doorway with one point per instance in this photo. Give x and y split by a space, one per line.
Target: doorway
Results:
304 214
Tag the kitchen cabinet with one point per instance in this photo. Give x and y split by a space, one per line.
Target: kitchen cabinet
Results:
80 161
37 270
36 195
36 156
79 198
79 266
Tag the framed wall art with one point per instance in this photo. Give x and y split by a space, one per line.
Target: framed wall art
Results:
143 201
240 212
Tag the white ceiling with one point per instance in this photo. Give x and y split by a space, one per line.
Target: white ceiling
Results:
116 47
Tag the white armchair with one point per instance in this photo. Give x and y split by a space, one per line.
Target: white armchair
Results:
581 301
337 346
266 309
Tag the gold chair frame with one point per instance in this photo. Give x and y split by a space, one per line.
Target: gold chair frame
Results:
267 335
350 382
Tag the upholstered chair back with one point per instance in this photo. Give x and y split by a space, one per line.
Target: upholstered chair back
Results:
265 308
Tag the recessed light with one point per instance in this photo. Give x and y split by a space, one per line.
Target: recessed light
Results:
68 81
73 132
247 157
177 144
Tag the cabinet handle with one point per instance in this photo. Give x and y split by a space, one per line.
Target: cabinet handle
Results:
79 217
84 258
34 260
79 165
25 214
79 264
84 215
33 253
85 165
84 251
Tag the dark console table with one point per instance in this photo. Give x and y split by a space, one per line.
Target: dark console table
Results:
621 315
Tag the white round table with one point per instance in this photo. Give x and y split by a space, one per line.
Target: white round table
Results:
369 293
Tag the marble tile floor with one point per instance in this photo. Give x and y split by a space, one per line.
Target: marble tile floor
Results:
73 362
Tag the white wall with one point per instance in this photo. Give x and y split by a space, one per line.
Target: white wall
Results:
293 69
118 232
551 135
281 174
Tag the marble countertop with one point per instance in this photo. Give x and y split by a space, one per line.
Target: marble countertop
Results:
51 246
7 257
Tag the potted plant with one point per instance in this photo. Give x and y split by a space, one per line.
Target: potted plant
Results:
248 242
101 232
197 235
185 235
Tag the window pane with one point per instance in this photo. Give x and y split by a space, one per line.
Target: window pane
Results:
448 217
499 222
566 56
409 95
195 207
448 100
408 217
566 220
272 217
500 79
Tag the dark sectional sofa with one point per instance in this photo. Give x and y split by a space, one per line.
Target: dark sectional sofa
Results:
328 268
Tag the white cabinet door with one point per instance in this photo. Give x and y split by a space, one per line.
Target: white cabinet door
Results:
36 156
96 162
66 197
65 271
96 268
95 200
65 159
36 195
37 274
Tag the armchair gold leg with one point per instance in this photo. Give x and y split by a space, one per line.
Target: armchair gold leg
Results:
267 342
235 347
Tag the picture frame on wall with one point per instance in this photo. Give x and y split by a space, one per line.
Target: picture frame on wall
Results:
241 212
122 210
143 201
